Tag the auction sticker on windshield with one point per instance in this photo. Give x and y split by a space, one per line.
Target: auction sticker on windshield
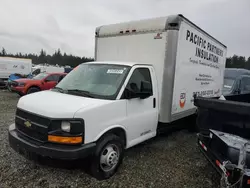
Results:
115 71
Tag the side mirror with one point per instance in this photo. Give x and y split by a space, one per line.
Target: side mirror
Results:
146 90
60 79
134 92
129 94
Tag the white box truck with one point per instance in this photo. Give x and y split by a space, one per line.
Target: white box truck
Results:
145 75
10 65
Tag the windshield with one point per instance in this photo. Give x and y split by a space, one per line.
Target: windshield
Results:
36 71
96 80
228 84
40 76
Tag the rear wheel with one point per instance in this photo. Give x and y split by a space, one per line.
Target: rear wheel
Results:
108 157
33 90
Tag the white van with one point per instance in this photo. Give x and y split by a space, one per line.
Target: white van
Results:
145 75
46 68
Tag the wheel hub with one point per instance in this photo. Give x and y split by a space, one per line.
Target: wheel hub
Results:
109 157
112 158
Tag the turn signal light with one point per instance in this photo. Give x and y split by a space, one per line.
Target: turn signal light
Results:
65 139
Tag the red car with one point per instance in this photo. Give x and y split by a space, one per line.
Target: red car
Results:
43 81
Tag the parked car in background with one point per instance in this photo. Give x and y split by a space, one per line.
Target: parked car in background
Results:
35 71
43 81
236 81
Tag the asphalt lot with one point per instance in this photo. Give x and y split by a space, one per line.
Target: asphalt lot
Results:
171 160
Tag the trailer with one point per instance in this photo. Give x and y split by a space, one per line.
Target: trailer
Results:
223 137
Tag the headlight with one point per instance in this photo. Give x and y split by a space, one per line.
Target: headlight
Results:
65 126
21 84
67 131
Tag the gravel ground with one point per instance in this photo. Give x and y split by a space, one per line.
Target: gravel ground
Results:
171 160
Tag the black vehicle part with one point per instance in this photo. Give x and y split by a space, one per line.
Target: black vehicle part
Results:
231 115
230 156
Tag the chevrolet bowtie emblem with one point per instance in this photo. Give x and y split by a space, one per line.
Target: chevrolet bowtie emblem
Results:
27 123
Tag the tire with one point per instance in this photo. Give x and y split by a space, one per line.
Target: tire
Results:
20 94
8 87
33 90
108 147
192 124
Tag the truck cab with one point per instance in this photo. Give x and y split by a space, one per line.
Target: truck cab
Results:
236 81
110 106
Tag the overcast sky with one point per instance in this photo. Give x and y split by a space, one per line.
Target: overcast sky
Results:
29 25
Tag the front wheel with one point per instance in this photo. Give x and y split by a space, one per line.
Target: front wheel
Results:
20 94
108 157
33 90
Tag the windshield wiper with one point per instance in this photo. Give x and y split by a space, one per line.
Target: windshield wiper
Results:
59 89
82 92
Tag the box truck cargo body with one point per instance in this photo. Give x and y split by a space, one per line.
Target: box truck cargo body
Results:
145 74
10 65
186 59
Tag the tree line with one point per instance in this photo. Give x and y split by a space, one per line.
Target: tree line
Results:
238 62
67 59
55 59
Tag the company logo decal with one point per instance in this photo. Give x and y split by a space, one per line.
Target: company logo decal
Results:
27 123
182 100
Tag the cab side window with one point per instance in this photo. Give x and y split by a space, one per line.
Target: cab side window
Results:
57 77
135 83
60 78
51 78
36 72
245 85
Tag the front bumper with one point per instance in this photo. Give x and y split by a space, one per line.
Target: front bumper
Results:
18 89
23 145
3 82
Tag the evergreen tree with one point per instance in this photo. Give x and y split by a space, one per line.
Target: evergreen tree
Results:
56 59
3 52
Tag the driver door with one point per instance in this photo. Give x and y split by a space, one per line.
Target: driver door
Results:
142 114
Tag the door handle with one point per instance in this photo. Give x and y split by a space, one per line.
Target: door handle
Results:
154 102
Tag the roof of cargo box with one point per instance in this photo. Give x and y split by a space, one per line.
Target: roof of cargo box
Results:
153 24
7 58
146 25
125 63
